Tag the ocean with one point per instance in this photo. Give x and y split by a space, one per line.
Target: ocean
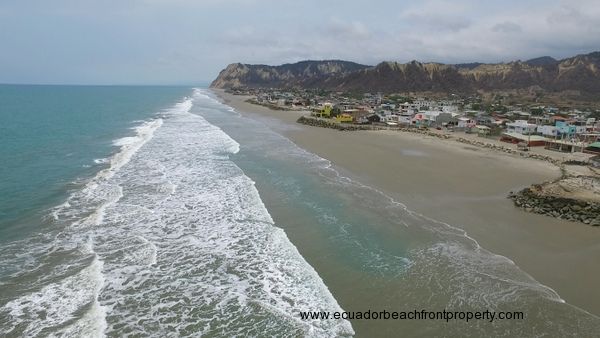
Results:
160 211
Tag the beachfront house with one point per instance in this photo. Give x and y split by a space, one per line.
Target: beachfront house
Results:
344 118
521 127
419 120
464 123
580 127
483 131
485 120
388 118
564 128
439 118
591 124
549 131
529 140
368 118
405 118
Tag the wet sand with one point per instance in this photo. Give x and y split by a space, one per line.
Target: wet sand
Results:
464 186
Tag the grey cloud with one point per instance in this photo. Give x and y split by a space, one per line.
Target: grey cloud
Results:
348 29
507 27
182 40
439 23
438 16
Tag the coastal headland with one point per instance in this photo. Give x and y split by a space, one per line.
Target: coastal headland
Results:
461 184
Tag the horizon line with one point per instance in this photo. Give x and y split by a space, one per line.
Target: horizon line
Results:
207 83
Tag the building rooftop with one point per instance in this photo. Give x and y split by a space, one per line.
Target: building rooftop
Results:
526 137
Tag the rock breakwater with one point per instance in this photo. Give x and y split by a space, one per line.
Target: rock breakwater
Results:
572 198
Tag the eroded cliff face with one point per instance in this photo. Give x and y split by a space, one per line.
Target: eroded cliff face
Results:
579 74
299 74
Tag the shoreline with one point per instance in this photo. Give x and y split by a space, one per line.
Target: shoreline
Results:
461 185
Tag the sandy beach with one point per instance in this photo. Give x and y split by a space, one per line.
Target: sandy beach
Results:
460 185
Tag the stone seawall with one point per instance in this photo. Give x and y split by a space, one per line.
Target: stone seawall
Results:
310 121
543 199
424 131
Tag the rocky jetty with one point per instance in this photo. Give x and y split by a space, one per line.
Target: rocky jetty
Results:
426 132
315 122
572 198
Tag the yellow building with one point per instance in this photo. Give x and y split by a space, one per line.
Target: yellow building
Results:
326 110
344 118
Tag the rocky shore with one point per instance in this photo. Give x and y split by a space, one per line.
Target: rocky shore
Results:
315 122
572 198
425 131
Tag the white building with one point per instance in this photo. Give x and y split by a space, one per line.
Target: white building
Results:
450 109
421 104
439 116
389 118
521 127
465 122
580 129
547 130
405 119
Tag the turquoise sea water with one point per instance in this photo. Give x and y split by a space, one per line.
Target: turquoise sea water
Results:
147 211
124 214
52 136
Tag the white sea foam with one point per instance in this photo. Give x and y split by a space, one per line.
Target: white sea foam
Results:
69 305
128 146
59 302
216 224
183 245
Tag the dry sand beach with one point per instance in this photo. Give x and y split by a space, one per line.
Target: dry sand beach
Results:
460 185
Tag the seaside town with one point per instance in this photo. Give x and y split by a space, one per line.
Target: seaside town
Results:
526 126
565 137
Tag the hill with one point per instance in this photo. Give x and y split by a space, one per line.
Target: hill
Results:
578 75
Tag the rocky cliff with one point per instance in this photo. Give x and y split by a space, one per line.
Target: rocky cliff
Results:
579 74
301 74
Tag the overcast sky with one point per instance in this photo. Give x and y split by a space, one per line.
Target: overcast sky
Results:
190 41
